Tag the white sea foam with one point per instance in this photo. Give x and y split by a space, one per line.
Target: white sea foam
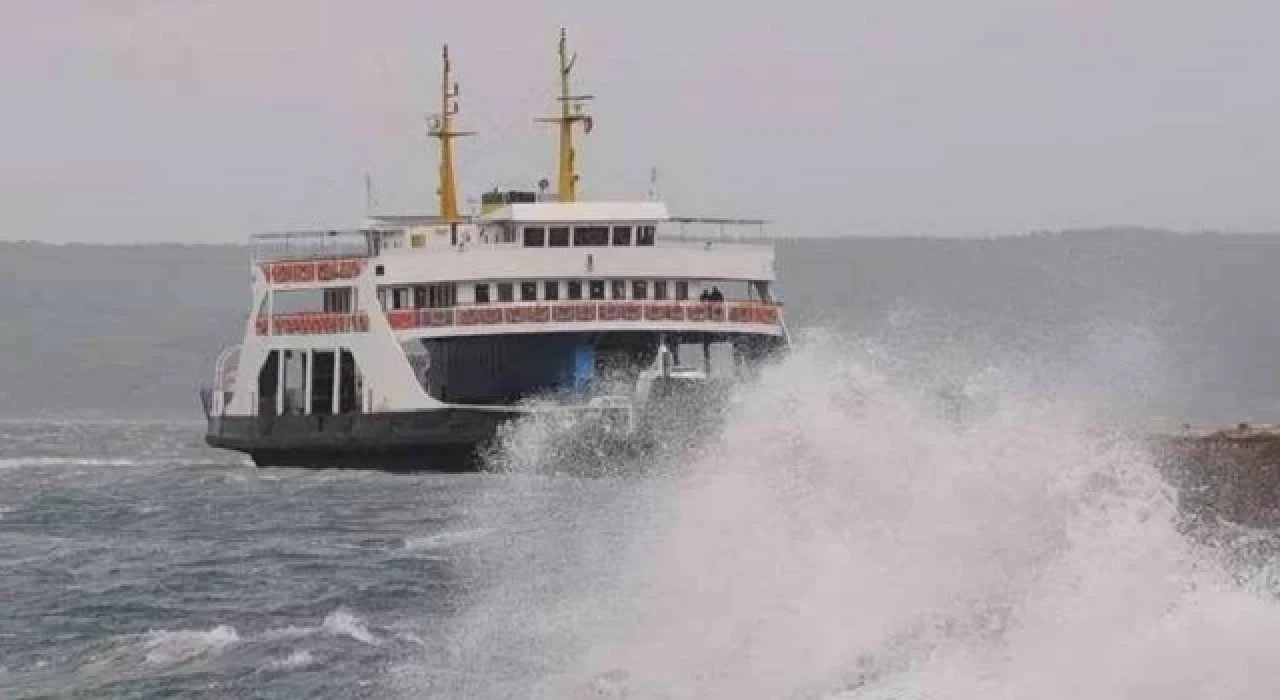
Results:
168 647
298 659
344 623
444 540
77 462
285 633
42 461
850 535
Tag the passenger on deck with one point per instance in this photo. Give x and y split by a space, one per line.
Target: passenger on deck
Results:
715 295
704 296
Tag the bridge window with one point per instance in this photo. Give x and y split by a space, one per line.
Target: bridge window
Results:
507 234
660 289
590 236
534 236
639 289
528 291
505 292
597 289
400 298
682 290
559 237
622 235
618 289
482 293
575 289
644 235
551 290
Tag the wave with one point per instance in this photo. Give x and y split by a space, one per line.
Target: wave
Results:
123 462
296 660
855 531
445 540
286 633
169 647
344 623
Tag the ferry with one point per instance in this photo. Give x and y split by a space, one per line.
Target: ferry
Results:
407 342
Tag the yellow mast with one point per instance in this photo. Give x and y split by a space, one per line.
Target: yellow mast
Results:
441 127
571 113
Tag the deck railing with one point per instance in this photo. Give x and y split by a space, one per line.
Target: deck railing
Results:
312 245
716 230
364 243
576 311
710 314
311 323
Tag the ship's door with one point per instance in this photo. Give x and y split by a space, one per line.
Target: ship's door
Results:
322 383
268 384
348 390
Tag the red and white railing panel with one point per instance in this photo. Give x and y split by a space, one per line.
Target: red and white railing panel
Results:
753 313
564 312
311 324
302 272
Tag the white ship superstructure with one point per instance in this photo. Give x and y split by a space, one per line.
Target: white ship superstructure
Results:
412 335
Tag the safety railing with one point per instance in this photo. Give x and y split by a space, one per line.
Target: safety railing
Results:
700 229
309 323
519 313
571 312
311 271
313 245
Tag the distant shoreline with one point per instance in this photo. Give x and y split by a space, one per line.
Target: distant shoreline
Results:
1115 231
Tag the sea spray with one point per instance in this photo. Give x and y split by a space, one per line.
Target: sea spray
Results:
848 533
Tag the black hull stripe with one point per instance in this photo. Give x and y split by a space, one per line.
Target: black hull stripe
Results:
436 440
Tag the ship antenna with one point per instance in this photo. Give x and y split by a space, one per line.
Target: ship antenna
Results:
571 112
441 127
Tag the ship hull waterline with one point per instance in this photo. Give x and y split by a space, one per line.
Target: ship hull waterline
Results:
441 440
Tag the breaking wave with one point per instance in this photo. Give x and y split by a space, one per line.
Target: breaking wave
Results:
298 659
852 531
169 647
343 623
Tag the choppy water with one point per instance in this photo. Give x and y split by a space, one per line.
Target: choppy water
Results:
842 535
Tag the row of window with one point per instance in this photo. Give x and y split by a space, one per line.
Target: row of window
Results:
439 296
422 296
574 290
587 236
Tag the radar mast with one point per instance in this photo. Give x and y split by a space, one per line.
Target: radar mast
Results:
571 112
440 126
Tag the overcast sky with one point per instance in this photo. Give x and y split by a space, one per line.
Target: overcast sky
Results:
194 120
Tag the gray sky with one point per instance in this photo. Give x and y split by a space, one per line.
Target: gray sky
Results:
195 120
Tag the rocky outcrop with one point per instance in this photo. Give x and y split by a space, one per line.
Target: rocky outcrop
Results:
1231 473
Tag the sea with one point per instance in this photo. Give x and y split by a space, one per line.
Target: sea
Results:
915 508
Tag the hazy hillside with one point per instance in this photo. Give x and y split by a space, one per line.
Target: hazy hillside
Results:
1199 313
131 331
114 330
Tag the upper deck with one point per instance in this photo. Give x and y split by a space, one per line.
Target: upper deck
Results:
535 240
